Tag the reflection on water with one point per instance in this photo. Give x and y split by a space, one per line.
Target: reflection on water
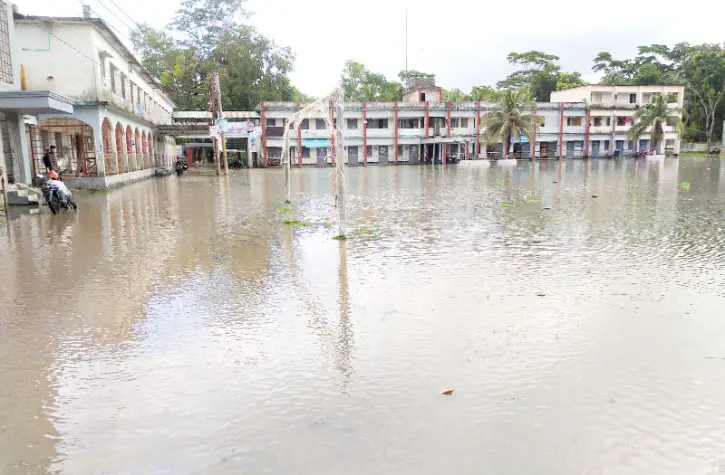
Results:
176 326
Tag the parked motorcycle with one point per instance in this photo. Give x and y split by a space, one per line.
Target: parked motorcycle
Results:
54 198
714 151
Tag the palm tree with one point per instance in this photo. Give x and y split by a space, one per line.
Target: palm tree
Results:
652 118
511 119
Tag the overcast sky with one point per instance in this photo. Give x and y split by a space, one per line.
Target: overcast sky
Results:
464 42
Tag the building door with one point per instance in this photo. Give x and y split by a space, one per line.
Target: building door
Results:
543 149
595 148
570 149
383 154
321 157
643 145
352 156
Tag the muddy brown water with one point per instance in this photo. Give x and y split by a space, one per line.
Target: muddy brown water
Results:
176 326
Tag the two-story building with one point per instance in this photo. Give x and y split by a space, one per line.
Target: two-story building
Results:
110 137
610 114
19 107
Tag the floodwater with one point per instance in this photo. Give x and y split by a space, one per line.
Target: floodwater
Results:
177 326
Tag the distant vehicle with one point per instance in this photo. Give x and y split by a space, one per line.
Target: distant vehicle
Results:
181 166
714 151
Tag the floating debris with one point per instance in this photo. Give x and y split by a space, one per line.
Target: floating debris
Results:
594 196
284 210
340 237
540 294
547 207
448 393
296 222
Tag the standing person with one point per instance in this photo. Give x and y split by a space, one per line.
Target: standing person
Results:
49 159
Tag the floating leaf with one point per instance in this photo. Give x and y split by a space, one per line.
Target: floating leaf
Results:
448 393
540 294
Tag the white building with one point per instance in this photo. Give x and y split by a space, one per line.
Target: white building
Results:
611 108
110 138
18 107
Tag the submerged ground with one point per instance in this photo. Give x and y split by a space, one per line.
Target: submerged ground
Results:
177 326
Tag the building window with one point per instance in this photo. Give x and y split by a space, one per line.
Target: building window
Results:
321 153
383 152
633 98
400 150
597 122
305 152
305 124
377 123
630 145
606 145
271 122
352 123
619 145
573 121
6 62
621 121
609 121
454 122
114 70
369 150
123 86
464 123
319 124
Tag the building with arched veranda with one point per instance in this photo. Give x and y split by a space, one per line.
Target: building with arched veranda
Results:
110 138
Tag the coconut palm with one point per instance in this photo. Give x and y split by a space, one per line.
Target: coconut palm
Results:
653 118
511 119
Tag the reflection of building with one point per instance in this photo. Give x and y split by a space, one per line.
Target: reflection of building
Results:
110 137
19 106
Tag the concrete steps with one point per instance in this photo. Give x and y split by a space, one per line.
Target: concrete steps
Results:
20 194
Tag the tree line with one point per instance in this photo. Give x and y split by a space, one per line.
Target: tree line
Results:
208 36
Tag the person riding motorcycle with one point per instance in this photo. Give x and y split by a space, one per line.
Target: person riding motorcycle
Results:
54 180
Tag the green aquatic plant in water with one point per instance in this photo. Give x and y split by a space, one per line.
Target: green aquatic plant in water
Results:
505 205
288 202
685 186
284 210
340 237
296 222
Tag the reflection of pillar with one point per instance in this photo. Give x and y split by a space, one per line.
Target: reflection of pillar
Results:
477 122
114 149
345 337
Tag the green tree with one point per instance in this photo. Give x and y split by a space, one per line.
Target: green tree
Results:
539 73
413 74
569 81
653 118
703 73
455 95
361 85
208 36
511 119
484 93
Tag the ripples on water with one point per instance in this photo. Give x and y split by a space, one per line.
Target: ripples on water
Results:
175 326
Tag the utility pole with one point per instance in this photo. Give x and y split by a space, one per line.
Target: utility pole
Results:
220 112
212 109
